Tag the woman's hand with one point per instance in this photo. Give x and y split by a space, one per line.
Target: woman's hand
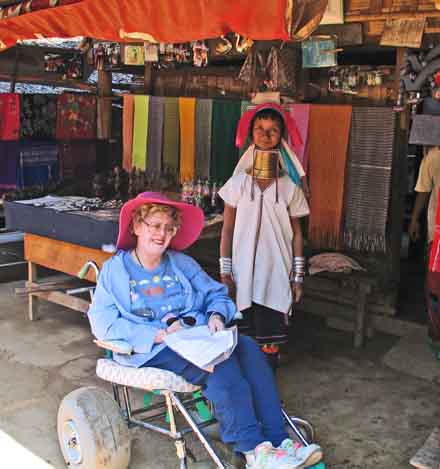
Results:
297 291
160 336
227 280
215 323
175 326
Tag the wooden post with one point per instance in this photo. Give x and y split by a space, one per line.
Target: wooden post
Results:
15 70
104 104
33 300
148 78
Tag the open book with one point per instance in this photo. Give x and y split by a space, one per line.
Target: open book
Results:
200 347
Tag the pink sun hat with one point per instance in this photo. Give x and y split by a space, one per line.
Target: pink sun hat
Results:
193 221
246 119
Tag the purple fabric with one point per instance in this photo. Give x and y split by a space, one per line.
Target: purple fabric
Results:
9 163
300 114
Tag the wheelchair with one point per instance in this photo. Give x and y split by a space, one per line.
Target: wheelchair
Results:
93 425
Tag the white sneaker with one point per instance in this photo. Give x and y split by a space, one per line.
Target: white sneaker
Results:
268 457
304 456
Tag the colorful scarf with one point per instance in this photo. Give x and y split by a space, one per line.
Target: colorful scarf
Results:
203 137
329 133
9 116
187 110
127 131
155 135
76 116
300 114
171 136
224 155
140 132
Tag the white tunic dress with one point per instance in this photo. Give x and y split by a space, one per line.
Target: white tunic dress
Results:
262 241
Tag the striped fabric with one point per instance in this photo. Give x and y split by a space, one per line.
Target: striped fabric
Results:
203 137
368 182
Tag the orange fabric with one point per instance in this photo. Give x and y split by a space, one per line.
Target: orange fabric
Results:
187 114
329 131
127 131
165 20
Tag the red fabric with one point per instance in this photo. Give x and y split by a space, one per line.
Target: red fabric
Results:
434 257
76 117
165 20
9 116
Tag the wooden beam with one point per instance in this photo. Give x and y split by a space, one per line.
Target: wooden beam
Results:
69 301
391 16
104 104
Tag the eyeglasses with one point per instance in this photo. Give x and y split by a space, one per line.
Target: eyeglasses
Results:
156 228
260 132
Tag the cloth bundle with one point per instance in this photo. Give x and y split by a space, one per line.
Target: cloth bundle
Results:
368 181
332 262
38 116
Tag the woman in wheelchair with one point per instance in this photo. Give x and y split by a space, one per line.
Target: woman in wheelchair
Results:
150 289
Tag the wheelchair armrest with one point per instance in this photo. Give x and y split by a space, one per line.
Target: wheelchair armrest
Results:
117 346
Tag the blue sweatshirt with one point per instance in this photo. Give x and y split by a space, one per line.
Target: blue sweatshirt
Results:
111 317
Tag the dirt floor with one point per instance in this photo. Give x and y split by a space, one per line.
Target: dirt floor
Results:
366 414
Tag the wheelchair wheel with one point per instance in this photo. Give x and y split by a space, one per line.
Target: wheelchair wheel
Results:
92 432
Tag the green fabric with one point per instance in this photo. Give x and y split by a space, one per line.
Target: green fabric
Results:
171 155
140 132
224 154
244 107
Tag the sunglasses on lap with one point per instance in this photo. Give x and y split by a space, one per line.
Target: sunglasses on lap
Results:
188 321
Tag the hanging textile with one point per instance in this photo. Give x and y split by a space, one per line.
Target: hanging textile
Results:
140 132
300 114
10 116
155 135
224 154
38 163
76 116
203 137
38 116
187 115
329 133
434 255
127 131
77 159
168 21
9 164
245 105
171 137
369 178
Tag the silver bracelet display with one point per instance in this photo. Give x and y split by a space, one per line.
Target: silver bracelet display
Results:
225 266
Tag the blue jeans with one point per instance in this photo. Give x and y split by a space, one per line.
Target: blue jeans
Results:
242 390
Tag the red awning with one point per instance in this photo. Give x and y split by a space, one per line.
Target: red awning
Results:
170 21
